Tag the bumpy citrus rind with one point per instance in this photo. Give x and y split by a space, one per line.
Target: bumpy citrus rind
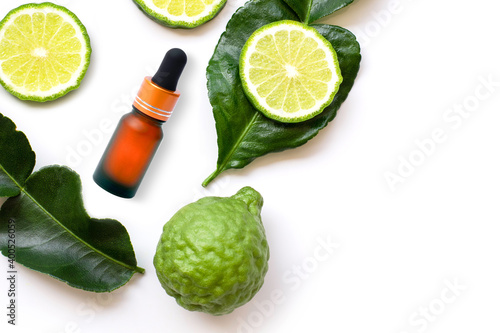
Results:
212 256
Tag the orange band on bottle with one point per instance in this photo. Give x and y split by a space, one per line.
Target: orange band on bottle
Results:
154 101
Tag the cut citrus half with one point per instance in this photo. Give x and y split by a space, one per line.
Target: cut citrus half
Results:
181 13
44 52
289 71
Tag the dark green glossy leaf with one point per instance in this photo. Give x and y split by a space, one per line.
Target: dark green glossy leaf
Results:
53 232
243 132
310 11
17 160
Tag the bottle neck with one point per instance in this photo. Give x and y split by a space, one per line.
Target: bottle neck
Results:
155 101
146 118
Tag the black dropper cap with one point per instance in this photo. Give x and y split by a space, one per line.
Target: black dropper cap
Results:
170 69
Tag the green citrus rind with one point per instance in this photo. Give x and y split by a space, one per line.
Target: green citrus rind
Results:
33 97
267 110
213 255
161 18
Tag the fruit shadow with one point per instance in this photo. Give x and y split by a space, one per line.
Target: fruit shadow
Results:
270 302
48 104
261 306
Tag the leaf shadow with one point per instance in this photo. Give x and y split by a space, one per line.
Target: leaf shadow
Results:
354 14
87 302
314 147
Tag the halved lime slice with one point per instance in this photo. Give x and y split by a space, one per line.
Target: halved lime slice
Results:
181 13
289 71
44 52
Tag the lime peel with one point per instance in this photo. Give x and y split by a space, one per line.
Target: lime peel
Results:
181 13
213 254
289 71
38 64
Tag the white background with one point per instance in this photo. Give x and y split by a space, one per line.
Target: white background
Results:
399 249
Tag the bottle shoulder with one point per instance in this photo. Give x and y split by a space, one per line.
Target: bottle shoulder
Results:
141 123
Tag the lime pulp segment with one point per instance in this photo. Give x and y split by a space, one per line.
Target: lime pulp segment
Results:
181 13
44 51
289 71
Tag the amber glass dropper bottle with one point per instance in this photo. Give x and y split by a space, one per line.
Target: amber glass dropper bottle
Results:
139 133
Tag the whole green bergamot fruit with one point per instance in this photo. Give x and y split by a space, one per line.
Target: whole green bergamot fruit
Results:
213 253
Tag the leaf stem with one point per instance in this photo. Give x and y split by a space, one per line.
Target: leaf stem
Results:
307 18
11 177
222 166
211 177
